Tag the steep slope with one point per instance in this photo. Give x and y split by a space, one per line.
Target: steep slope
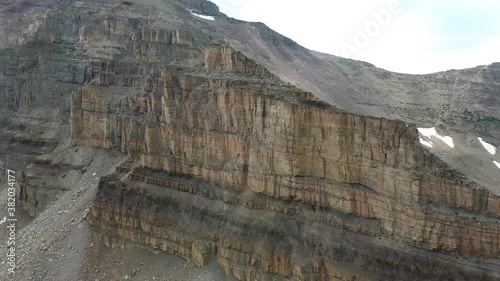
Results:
228 160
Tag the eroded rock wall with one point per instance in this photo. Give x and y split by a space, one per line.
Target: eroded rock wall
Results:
235 164
77 45
254 237
249 133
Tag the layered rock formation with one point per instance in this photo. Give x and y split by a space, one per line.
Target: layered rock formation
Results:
271 153
50 176
254 237
228 161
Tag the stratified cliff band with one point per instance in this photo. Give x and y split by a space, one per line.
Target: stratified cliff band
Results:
271 181
228 161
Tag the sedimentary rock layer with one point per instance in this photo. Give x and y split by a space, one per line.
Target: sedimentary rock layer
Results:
254 237
238 165
249 133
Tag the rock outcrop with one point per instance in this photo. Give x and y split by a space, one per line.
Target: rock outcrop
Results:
229 162
49 177
203 6
254 237
268 152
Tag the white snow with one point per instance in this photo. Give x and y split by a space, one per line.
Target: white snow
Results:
431 132
490 148
426 143
202 16
448 140
497 164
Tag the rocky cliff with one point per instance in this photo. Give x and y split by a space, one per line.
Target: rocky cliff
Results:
229 161
272 164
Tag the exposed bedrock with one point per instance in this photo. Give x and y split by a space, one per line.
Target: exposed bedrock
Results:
249 133
50 176
231 162
254 237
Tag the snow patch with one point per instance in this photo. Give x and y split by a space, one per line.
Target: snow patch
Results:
497 164
490 148
426 143
431 132
201 16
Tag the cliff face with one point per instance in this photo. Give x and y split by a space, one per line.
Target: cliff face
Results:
263 152
66 52
227 160
462 104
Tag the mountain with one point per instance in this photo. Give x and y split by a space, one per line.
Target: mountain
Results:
170 126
